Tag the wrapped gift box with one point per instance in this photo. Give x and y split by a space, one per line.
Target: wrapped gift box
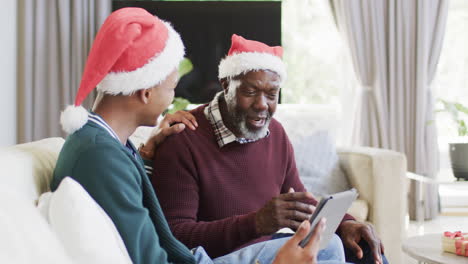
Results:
456 243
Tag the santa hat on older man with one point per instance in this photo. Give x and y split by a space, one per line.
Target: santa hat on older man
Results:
249 55
133 50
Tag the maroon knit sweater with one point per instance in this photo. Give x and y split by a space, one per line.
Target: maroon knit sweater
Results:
210 194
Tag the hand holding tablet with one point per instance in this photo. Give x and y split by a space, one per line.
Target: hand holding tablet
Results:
332 208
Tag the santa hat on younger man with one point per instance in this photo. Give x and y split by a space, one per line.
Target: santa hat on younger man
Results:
249 55
133 50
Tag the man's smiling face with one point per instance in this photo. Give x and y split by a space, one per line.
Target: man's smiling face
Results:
251 101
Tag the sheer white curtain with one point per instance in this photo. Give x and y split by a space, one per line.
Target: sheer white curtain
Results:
395 47
54 39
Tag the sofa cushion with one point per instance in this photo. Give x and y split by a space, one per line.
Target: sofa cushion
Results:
28 167
300 120
25 237
311 130
86 231
318 164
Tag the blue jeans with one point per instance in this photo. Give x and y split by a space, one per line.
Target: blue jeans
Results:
368 258
265 252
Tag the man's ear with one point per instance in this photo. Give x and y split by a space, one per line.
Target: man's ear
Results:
224 83
144 95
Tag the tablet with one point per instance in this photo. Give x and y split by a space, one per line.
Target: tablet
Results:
333 208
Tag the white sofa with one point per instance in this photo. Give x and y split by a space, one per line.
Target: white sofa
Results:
25 236
378 175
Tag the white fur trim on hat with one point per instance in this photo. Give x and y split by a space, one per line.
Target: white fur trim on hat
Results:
150 74
248 61
73 118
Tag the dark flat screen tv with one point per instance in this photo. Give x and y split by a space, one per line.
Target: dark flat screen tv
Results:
206 28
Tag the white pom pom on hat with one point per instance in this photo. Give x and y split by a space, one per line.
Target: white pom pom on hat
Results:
73 118
133 50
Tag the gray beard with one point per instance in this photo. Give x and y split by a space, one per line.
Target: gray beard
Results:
239 121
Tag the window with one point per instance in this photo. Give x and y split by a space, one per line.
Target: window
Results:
314 53
451 80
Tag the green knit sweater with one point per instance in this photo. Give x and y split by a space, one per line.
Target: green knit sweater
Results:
117 181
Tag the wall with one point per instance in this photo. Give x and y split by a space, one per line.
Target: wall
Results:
8 43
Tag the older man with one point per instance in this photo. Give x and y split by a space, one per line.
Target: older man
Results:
234 181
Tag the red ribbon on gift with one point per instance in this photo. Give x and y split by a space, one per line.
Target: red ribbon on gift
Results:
459 245
454 234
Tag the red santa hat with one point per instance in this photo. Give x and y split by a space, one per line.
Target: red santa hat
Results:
248 55
133 50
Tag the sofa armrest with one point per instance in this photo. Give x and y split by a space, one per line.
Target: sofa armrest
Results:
28 167
380 178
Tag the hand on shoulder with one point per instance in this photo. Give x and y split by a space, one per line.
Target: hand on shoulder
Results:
171 124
